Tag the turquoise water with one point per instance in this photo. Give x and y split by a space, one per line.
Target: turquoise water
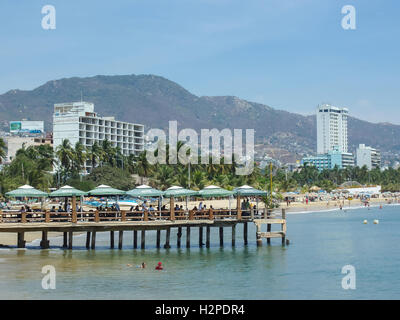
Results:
309 268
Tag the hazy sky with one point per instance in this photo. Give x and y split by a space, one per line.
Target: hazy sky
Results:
289 54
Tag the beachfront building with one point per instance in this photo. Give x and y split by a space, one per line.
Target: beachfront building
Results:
78 122
331 128
14 143
331 159
368 156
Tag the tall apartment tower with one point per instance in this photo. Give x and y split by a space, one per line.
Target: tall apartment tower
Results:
331 129
77 122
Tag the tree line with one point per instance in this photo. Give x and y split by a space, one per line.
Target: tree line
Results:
44 168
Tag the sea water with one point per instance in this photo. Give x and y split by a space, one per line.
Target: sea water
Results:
309 268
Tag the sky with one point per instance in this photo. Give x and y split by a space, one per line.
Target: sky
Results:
288 54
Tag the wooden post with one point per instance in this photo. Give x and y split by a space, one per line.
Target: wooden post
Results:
221 236
145 215
120 238
258 235
23 217
93 239
268 225
207 236
283 214
191 215
20 240
187 237
44 244
70 237
47 216
123 215
200 236
283 227
233 235
245 233
65 239
134 239
238 208
143 238
167 236
112 239
87 240
158 238
74 218
96 216
171 209
210 214
178 237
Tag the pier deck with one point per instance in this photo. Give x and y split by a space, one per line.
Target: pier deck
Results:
93 222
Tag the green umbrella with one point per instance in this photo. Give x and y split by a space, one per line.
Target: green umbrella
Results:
144 191
67 191
26 191
214 191
249 191
103 190
176 191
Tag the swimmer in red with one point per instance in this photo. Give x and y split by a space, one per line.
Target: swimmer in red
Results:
159 266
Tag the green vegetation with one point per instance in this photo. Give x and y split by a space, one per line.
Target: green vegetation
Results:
34 166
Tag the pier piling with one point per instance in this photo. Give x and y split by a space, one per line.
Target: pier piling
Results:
233 235
45 243
65 239
20 240
167 236
120 239
178 237
93 240
245 233
207 236
221 236
70 237
143 239
134 239
187 237
88 240
112 239
158 241
200 237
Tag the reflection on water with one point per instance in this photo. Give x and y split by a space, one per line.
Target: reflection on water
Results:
321 244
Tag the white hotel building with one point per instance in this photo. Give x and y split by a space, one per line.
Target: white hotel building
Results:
331 129
77 121
367 156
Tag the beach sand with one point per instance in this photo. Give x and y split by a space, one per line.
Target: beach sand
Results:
10 239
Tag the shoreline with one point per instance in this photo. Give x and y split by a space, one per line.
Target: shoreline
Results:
9 240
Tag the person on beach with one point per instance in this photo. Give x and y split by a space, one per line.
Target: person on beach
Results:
159 266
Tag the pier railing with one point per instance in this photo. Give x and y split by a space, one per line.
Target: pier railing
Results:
9 216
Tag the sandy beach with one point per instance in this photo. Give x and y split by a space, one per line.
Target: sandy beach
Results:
10 239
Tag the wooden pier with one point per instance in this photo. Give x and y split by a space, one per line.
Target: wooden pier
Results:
139 222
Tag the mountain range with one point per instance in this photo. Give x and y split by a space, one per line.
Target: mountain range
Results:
154 100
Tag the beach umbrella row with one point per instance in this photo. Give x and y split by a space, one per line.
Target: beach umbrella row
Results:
140 191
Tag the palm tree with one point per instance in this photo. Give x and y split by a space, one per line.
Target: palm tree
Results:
79 157
65 154
95 154
198 179
165 176
3 148
143 167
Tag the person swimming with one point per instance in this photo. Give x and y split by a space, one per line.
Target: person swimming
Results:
159 266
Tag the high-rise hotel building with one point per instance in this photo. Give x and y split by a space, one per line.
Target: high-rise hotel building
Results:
331 129
77 121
